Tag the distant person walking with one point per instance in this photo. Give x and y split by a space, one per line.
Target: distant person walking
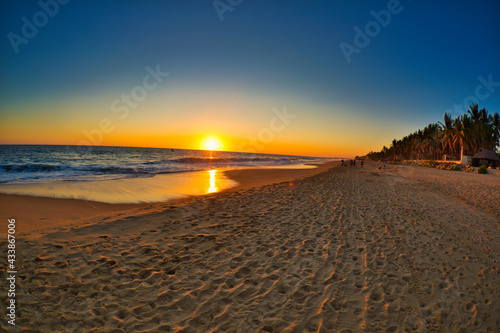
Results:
354 163
385 163
361 163
342 162
350 162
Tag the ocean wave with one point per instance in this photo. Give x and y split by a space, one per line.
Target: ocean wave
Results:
116 170
30 167
36 168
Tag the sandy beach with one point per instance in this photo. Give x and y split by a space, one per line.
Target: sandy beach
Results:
341 249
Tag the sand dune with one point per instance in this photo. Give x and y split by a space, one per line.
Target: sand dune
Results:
399 250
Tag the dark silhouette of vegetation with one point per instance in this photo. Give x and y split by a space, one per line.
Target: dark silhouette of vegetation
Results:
482 170
453 137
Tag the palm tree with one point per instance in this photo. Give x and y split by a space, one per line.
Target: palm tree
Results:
495 123
447 135
474 135
430 139
394 147
459 136
484 129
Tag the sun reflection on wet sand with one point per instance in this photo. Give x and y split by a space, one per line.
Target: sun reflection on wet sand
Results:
213 185
131 190
159 188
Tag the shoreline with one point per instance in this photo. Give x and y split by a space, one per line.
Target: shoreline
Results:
256 177
50 212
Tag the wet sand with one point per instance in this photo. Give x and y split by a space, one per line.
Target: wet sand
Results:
344 250
34 212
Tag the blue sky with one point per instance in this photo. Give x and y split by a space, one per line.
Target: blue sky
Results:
263 55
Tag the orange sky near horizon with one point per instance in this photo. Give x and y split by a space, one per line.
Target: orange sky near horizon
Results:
245 122
193 142
303 137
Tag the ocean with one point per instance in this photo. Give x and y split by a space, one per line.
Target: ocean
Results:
42 164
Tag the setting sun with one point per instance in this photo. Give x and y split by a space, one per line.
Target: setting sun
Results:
211 143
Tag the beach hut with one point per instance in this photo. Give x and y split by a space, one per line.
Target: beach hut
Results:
486 156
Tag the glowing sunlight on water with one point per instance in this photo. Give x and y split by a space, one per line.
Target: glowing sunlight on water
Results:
213 185
131 190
